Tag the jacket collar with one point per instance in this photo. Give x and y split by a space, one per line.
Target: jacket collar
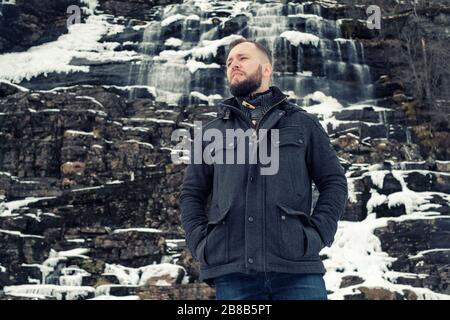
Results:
231 104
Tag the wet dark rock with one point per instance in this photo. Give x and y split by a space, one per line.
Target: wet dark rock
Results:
431 269
197 291
390 185
136 9
428 181
381 294
413 236
131 249
385 211
128 35
33 22
232 26
108 73
349 281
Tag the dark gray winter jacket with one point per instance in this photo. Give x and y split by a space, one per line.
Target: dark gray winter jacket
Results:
259 222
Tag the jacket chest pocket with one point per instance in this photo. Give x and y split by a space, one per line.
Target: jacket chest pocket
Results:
298 240
290 140
290 146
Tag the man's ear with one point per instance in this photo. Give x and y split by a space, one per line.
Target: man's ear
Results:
267 69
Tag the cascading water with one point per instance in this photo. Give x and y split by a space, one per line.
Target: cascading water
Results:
180 50
174 51
334 65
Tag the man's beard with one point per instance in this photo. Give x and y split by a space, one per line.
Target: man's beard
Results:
247 86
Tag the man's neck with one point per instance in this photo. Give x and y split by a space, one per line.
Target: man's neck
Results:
261 89
258 92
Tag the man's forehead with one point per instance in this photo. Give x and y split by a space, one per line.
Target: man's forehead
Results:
238 55
243 49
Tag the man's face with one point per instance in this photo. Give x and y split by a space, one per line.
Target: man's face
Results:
244 69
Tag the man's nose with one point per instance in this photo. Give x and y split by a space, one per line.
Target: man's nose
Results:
234 66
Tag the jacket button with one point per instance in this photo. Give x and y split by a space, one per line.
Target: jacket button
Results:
223 222
250 260
250 219
300 140
283 217
251 179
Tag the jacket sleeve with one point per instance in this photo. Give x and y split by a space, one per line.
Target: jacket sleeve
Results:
329 177
195 190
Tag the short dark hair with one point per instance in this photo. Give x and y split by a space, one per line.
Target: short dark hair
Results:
260 47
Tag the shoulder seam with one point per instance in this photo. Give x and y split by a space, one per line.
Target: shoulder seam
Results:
297 108
313 118
210 122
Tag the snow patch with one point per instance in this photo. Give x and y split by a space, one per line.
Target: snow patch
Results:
159 270
81 42
146 230
173 42
211 99
172 19
325 105
78 133
91 5
378 177
209 47
422 254
44 291
194 65
296 38
6 208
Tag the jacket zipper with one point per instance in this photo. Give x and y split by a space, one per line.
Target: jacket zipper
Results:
264 193
260 121
255 135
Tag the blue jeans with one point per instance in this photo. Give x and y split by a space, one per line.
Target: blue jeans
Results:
270 286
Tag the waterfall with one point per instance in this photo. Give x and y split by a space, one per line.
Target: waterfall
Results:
386 124
408 135
266 25
152 34
180 51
